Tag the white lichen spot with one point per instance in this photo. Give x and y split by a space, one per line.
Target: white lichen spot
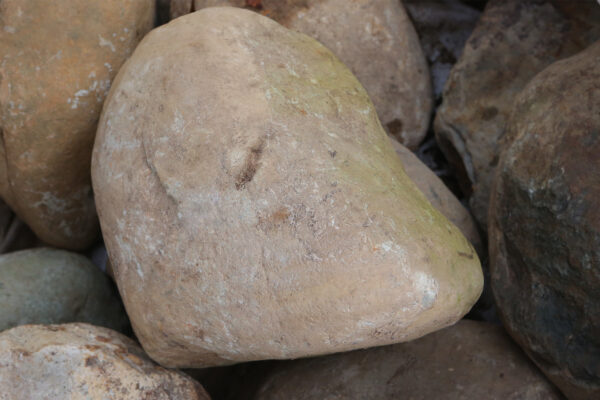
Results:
425 284
178 124
106 43
9 29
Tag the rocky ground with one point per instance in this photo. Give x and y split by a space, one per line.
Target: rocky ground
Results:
300 199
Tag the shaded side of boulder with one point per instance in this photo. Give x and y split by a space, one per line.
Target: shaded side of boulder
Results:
471 360
545 224
513 40
439 195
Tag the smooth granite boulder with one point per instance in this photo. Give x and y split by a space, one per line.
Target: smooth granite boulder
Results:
253 207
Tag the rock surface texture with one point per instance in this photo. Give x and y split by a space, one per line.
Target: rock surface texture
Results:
471 360
439 195
377 41
242 177
57 61
513 40
48 286
81 361
545 224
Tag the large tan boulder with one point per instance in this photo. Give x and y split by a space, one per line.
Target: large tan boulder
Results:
471 360
439 195
545 224
81 361
57 61
375 39
513 41
253 206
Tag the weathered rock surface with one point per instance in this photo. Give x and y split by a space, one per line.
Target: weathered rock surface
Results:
57 61
376 40
471 360
513 40
439 195
269 202
48 286
545 224
443 27
14 234
81 361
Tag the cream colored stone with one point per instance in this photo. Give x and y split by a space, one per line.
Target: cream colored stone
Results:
377 41
57 61
253 206
84 362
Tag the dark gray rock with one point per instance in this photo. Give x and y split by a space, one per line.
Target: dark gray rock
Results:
513 40
470 360
545 224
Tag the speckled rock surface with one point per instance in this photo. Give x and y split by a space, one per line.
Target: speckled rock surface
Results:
513 40
81 361
49 286
57 60
545 224
471 360
287 230
376 40
439 195
443 27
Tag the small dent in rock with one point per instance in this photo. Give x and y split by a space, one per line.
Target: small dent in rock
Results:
251 165
394 127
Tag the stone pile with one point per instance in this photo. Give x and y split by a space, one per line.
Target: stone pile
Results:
263 194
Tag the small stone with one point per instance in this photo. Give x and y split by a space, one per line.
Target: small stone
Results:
471 360
81 361
545 224
48 286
